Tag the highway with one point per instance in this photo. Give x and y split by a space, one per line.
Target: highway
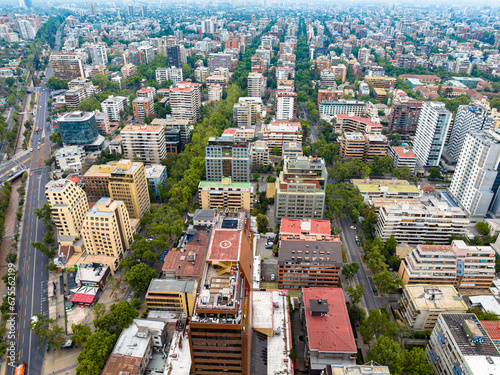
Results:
32 277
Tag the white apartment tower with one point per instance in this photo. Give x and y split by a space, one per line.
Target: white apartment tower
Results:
430 136
471 117
112 106
164 74
98 54
185 101
256 85
285 104
477 168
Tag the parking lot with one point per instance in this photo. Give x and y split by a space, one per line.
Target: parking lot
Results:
269 261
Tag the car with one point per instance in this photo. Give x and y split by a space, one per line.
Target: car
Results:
270 238
38 148
375 291
348 219
356 238
39 139
273 277
31 149
263 277
269 246
353 227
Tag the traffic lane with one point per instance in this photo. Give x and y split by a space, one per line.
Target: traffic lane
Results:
371 302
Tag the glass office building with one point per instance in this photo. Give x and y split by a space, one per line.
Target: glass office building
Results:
78 128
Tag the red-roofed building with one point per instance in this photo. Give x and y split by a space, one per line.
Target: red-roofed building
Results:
186 262
306 226
492 328
329 338
84 300
353 123
402 157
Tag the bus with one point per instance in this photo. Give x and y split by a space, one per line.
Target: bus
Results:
37 129
20 369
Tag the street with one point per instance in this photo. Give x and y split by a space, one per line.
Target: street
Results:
314 133
32 277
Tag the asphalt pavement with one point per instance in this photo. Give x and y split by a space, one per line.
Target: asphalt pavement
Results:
314 133
32 277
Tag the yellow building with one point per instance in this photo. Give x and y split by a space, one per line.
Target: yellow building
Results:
68 204
226 194
127 183
172 295
107 231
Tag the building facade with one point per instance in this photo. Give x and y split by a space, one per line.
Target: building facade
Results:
185 101
226 157
68 65
145 142
226 194
78 128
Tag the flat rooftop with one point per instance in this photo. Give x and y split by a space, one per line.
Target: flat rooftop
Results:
220 184
92 272
446 298
188 259
171 286
270 316
307 226
178 361
391 188
225 245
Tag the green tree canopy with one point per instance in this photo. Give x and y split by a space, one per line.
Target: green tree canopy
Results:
377 324
139 276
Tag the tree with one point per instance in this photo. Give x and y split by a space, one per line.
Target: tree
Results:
387 352
370 221
377 324
136 303
46 329
262 222
186 71
95 352
482 228
139 277
67 172
89 105
386 282
434 173
44 249
355 294
356 314
81 333
483 315
349 270
276 151
120 316
415 363
56 138
99 310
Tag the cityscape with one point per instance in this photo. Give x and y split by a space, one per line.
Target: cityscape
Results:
261 187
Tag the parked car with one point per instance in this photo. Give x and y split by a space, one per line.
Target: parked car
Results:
31 149
273 277
353 227
269 246
375 291
38 148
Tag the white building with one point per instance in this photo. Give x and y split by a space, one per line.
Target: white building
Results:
285 105
112 106
98 54
431 132
215 92
70 157
402 157
471 117
145 142
164 74
256 85
475 173
26 29
342 107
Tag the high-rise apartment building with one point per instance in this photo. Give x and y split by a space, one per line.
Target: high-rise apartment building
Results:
142 107
219 60
226 157
431 133
215 93
184 126
114 106
226 194
98 54
277 134
256 85
365 147
418 222
286 105
247 111
465 267
68 206
26 29
405 112
145 142
68 65
185 101
174 54
219 330
459 345
258 64
164 74
201 74
470 118
127 183
474 184
300 189
403 157
107 231
92 10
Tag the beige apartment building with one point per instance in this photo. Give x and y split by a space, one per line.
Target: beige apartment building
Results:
421 304
278 133
247 111
107 231
68 205
365 147
226 194
259 153
429 220
145 142
300 189
185 101
68 65
127 183
465 267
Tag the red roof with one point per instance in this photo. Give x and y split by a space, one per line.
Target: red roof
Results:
362 120
83 298
492 328
400 150
230 131
179 262
75 178
297 226
225 245
331 332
